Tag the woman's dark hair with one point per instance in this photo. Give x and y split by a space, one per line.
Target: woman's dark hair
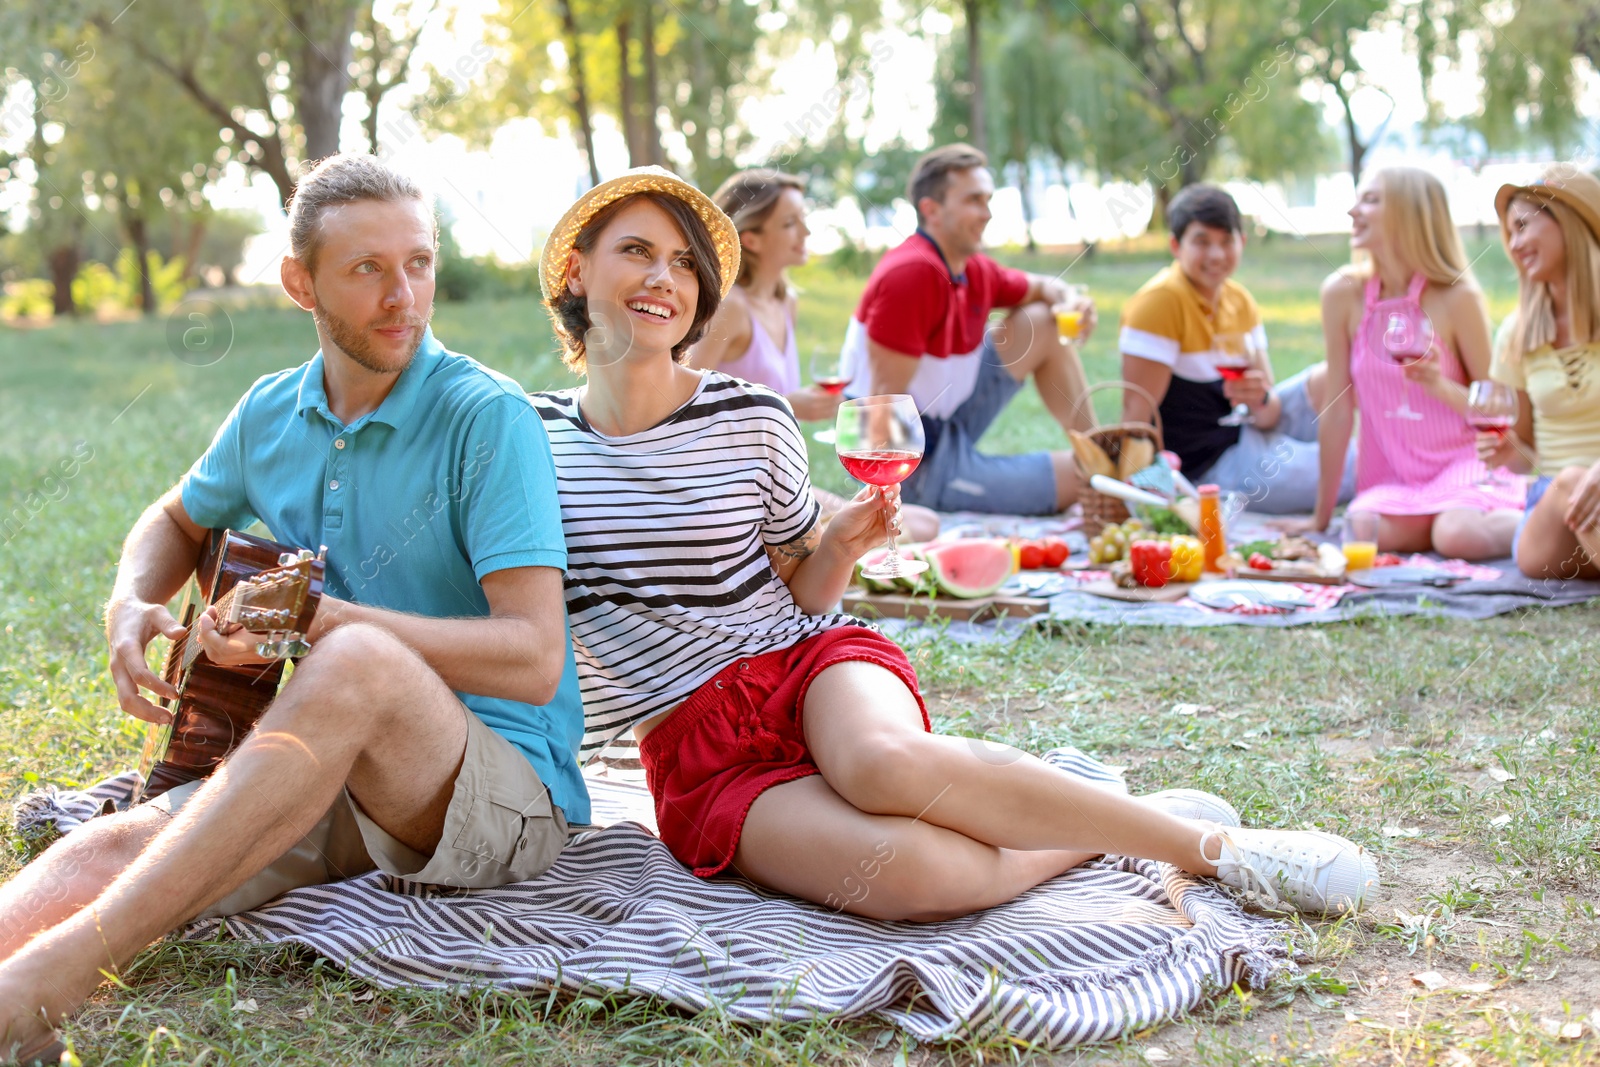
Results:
569 312
1205 204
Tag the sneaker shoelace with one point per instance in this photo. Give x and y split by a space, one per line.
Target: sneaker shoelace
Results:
1298 865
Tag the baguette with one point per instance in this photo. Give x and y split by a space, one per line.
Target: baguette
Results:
1091 457
1137 454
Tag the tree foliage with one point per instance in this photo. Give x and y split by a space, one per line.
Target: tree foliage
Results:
674 78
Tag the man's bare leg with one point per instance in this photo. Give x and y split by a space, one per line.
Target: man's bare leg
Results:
362 709
72 872
1029 345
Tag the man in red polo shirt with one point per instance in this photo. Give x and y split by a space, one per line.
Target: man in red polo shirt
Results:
922 328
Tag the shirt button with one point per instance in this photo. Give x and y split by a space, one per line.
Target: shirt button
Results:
334 484
338 442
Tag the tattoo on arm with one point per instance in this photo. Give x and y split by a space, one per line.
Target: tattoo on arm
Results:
798 549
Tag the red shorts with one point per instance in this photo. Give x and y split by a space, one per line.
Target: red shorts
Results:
739 735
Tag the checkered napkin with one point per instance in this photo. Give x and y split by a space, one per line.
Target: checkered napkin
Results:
1323 597
1459 567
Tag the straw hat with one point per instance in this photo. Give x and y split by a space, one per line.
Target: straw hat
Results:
1576 189
558 248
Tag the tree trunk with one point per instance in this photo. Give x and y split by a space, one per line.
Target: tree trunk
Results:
1027 207
695 120
374 95
64 260
1357 150
139 235
979 128
630 117
191 247
322 74
652 96
580 88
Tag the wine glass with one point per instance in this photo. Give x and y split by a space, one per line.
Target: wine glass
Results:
1491 409
1069 313
880 442
1232 355
1407 339
827 374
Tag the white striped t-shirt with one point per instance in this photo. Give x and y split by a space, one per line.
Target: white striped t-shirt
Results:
667 577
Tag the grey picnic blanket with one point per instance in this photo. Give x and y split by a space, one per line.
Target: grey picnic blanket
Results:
1471 599
1108 949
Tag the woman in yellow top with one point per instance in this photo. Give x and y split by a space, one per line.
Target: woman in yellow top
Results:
1551 355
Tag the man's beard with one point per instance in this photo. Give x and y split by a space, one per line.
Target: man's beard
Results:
355 342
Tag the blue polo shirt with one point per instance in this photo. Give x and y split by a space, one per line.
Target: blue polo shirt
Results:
448 480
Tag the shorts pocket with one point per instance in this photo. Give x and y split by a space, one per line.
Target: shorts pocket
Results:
507 834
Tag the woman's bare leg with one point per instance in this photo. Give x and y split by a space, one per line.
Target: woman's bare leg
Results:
804 839
1468 533
1405 533
1549 548
865 733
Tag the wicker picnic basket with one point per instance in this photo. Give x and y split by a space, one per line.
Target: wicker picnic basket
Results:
1100 509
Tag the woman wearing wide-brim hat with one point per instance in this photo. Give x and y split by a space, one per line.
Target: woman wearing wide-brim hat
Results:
779 737
1549 351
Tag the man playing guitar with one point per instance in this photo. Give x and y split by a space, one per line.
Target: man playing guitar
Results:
432 729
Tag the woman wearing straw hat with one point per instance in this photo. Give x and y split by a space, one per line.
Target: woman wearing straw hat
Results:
768 208
1550 353
779 738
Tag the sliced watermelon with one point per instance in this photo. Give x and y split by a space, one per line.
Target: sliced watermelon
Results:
971 567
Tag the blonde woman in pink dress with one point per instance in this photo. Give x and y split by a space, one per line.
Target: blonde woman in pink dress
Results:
1417 464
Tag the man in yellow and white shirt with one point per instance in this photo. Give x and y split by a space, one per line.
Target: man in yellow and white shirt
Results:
1174 330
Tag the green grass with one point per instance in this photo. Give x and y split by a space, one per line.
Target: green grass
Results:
1384 730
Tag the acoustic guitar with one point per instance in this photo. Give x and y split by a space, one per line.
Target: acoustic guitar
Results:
265 587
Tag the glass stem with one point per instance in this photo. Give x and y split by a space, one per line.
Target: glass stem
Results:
888 532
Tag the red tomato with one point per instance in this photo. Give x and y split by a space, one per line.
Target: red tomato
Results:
1258 562
1032 555
1055 551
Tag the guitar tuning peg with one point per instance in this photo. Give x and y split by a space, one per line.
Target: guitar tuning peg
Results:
286 558
322 553
304 556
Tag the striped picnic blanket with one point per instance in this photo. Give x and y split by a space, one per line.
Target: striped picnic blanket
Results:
1108 949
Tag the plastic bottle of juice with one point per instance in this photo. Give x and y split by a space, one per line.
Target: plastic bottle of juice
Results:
1213 537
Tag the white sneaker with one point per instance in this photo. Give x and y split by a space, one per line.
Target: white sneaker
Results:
1315 872
1196 805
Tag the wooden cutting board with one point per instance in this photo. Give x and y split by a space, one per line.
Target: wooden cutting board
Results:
905 606
1315 578
1171 592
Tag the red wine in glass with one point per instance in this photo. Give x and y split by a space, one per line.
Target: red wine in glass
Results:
879 440
1492 409
1407 339
1498 425
1233 354
882 468
831 386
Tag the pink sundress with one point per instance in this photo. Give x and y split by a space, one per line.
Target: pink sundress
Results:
1413 466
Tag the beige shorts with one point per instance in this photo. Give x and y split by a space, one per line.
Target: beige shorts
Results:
500 828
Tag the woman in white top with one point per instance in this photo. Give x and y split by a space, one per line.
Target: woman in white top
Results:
781 739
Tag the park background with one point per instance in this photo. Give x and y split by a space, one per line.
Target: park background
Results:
146 148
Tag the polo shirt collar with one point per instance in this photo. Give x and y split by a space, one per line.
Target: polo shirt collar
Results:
955 279
402 399
1208 306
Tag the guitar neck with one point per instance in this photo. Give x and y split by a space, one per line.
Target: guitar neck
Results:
192 648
